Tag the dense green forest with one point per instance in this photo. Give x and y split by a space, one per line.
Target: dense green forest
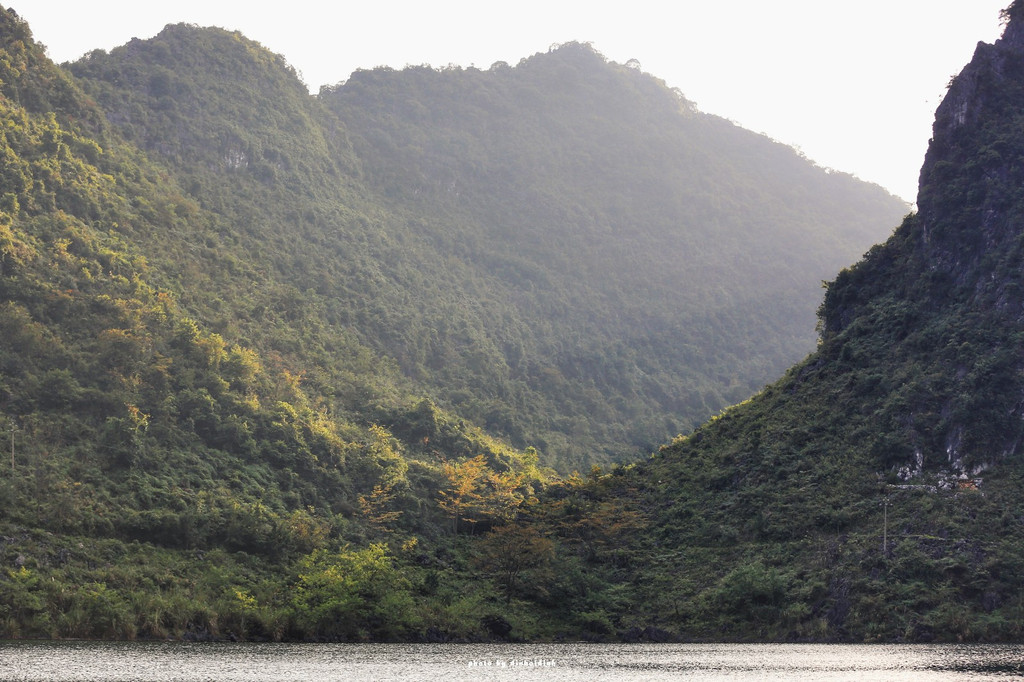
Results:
283 366
873 493
564 253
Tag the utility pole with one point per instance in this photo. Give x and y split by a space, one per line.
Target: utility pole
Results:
13 429
885 527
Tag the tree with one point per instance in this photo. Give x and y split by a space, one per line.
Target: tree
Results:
463 495
376 507
352 595
504 495
512 552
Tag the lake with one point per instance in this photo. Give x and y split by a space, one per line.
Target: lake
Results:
64 661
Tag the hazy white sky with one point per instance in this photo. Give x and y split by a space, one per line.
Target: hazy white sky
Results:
854 85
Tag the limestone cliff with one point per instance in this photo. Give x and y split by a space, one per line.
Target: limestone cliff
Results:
945 292
972 169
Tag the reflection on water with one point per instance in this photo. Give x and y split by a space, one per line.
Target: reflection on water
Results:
224 662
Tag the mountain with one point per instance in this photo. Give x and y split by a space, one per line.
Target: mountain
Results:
162 474
563 252
664 260
873 493
264 377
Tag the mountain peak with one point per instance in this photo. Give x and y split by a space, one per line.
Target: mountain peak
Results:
969 179
1013 16
990 66
29 79
945 292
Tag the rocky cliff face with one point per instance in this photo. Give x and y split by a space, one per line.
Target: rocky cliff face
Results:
939 308
969 200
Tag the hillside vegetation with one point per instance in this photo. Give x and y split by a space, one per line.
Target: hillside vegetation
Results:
873 493
663 261
276 366
564 253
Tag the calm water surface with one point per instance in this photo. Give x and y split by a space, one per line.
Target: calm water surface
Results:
184 662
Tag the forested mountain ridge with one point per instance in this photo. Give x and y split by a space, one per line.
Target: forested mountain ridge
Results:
505 236
873 493
131 420
605 202
221 320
